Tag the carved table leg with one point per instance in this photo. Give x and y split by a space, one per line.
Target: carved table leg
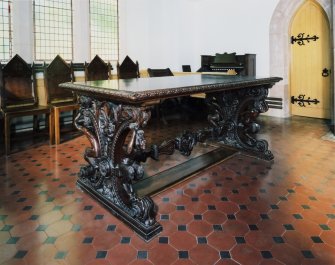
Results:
232 117
114 161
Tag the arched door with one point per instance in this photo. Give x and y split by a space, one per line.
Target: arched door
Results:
310 62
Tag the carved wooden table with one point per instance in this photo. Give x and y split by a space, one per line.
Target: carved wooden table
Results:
113 113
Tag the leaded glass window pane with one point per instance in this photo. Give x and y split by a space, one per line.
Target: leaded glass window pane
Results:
5 30
53 29
104 29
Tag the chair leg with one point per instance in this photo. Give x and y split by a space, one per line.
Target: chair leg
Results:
162 111
57 126
157 111
2 127
47 121
74 114
35 124
51 127
7 135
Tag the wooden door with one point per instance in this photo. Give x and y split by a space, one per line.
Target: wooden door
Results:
310 62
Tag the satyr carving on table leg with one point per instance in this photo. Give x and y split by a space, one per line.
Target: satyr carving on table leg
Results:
232 118
114 161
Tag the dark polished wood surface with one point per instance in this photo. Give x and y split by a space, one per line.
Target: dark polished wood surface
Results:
139 90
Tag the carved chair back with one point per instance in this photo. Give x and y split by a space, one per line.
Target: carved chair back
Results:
17 85
97 69
128 69
159 72
58 71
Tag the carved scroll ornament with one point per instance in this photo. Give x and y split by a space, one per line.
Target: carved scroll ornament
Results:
232 116
113 162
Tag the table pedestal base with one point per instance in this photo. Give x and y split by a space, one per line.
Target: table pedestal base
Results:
145 232
118 148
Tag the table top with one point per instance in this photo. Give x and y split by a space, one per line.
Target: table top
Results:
140 90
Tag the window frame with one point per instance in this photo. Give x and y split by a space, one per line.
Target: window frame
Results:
69 50
8 31
117 49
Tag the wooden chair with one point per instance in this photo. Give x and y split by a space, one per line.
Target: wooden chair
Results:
1 130
159 72
97 69
128 69
165 106
59 99
19 96
186 68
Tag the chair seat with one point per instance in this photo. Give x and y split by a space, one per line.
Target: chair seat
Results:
63 104
61 107
25 111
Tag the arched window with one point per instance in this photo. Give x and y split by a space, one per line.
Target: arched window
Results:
5 30
104 29
53 29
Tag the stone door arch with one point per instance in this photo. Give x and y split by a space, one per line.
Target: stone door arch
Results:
280 48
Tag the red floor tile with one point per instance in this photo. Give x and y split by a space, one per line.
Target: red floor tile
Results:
241 211
204 254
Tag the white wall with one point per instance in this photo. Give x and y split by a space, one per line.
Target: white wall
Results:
169 33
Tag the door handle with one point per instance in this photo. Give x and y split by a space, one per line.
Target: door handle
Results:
325 72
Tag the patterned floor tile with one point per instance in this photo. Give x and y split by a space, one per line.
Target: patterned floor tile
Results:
240 211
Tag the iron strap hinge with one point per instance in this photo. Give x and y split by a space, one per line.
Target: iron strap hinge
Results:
301 100
301 38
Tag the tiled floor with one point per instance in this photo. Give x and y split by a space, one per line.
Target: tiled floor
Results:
241 211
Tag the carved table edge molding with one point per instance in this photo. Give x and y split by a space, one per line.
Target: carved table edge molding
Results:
130 97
